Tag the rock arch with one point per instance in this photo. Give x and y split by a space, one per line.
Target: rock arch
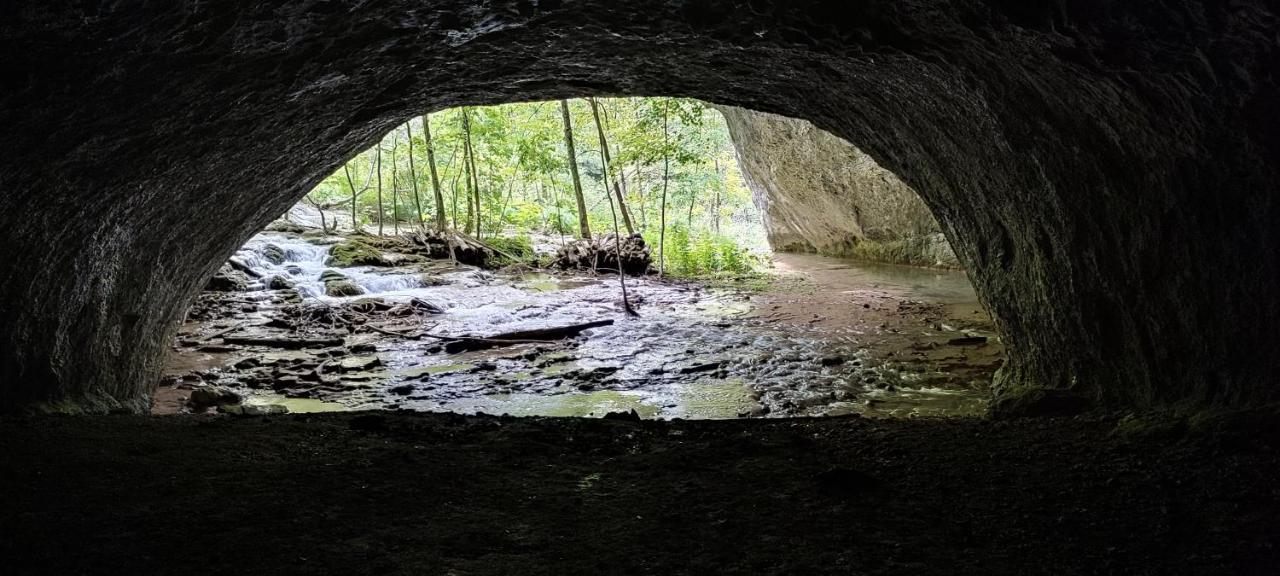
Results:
1104 168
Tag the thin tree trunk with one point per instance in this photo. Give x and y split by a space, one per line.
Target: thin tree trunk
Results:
469 168
627 216
609 175
584 228
379 185
613 210
644 199
395 184
355 194
715 212
457 175
475 218
666 177
324 226
355 224
435 179
693 199
413 173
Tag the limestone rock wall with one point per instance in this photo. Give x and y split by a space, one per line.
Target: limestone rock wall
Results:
1104 169
819 193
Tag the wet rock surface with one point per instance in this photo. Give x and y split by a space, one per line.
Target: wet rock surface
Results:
558 344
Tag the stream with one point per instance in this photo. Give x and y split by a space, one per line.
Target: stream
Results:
821 337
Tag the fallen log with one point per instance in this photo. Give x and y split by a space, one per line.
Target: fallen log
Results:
536 336
283 342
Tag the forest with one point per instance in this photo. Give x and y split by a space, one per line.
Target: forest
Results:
516 174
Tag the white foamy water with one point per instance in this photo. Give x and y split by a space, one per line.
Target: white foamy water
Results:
304 262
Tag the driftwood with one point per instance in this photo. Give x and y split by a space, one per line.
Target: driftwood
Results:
283 342
601 254
451 245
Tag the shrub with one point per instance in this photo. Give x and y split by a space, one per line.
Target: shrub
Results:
705 256
520 247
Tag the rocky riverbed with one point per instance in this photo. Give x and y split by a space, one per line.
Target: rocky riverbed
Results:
291 331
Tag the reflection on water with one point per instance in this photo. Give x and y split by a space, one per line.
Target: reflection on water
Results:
295 405
712 400
943 286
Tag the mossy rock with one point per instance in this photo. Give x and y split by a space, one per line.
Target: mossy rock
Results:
274 254
357 253
280 283
288 227
340 288
332 276
431 280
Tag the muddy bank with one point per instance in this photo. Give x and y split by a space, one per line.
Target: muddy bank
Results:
816 337
389 493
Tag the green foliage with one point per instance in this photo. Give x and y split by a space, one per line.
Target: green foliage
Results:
524 184
707 255
520 247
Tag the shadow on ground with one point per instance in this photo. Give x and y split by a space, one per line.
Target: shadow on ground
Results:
378 493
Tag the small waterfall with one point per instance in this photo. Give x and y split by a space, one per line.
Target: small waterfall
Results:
304 262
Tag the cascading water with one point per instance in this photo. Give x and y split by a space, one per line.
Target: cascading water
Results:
304 263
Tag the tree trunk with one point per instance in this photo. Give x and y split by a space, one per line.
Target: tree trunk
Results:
379 185
644 199
413 173
584 228
355 224
456 175
324 226
475 187
441 224
666 177
608 160
469 168
627 215
617 236
395 183
693 200
715 211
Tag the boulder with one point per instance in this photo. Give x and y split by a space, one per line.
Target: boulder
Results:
206 397
228 280
341 288
338 284
357 253
280 283
274 254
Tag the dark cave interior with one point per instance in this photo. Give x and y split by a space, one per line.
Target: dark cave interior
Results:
1104 170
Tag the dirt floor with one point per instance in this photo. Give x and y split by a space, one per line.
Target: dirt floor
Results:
397 493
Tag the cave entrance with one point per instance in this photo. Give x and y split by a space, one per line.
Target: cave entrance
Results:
467 263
